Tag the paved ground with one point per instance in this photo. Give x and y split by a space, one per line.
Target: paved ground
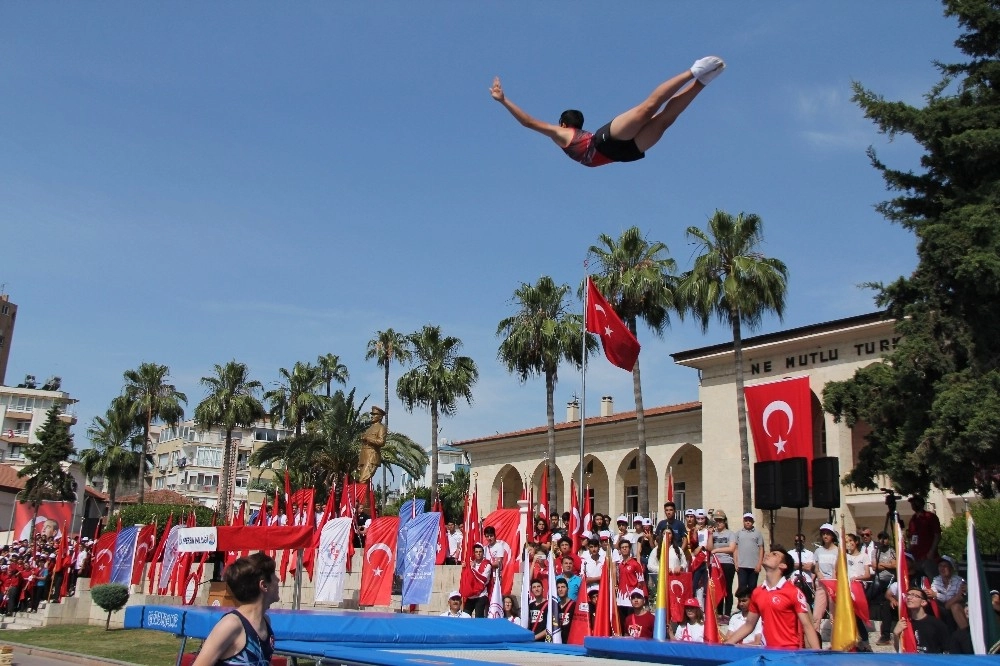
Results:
27 655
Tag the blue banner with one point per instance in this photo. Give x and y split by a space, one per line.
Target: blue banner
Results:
410 509
124 555
417 569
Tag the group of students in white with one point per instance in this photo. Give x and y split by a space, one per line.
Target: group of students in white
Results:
788 608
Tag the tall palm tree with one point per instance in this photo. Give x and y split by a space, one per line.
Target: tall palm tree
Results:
733 281
536 339
116 450
438 379
231 403
638 280
388 346
152 397
295 400
332 370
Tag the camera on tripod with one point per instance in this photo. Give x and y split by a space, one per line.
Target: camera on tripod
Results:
891 498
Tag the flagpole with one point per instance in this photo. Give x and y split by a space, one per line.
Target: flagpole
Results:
583 391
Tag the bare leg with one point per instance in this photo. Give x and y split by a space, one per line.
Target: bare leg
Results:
627 125
653 131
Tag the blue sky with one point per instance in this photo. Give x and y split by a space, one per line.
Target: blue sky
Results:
189 183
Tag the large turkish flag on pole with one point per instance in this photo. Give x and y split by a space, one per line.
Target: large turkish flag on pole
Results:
780 415
620 345
380 563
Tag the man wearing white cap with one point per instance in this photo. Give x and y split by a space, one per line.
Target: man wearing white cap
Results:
749 553
455 606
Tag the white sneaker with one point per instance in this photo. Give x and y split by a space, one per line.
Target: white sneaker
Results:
707 68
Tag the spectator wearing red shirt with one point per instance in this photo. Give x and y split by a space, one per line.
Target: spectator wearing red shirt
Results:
631 577
478 599
640 623
781 605
923 535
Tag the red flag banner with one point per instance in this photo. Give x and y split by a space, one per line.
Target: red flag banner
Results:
780 415
574 517
144 549
620 345
158 551
506 522
680 589
442 544
51 516
857 594
104 554
379 563
579 628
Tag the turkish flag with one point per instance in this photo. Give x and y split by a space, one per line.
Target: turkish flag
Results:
379 563
506 522
543 500
680 589
144 547
620 345
579 628
574 518
442 545
780 415
104 555
857 595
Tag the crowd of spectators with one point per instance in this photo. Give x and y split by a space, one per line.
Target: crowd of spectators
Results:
30 573
754 579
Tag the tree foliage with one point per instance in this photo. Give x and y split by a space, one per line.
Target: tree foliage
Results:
986 514
151 396
637 277
933 405
110 597
438 379
47 480
117 448
536 339
732 281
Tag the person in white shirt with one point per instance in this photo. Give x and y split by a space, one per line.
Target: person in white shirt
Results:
692 629
454 543
805 561
455 606
739 618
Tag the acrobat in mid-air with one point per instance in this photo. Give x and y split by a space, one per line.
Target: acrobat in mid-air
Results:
629 135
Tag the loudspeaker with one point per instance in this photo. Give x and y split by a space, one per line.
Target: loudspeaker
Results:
826 482
767 485
795 483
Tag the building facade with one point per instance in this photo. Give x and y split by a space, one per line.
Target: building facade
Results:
188 460
699 441
23 412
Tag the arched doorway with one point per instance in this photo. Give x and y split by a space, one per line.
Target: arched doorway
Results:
686 464
508 482
627 484
595 480
556 493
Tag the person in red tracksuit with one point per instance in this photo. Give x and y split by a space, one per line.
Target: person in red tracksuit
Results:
12 586
479 598
631 577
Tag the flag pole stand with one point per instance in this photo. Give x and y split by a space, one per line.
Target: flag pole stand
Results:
297 596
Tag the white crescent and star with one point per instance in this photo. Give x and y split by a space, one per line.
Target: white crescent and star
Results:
680 585
786 409
382 547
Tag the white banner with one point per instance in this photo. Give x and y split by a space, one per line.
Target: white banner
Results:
331 560
197 540
169 559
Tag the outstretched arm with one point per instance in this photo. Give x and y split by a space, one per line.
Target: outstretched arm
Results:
561 135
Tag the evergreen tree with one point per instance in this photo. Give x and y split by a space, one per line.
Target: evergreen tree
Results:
934 405
47 480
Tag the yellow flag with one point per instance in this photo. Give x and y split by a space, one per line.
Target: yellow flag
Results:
845 628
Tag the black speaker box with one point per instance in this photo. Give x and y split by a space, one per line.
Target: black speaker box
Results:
767 485
826 482
795 483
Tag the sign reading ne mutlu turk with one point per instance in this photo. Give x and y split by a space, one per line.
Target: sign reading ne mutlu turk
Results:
197 539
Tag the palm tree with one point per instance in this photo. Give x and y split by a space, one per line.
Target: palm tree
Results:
231 403
116 450
385 347
295 400
536 339
638 281
332 370
152 397
734 282
439 378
